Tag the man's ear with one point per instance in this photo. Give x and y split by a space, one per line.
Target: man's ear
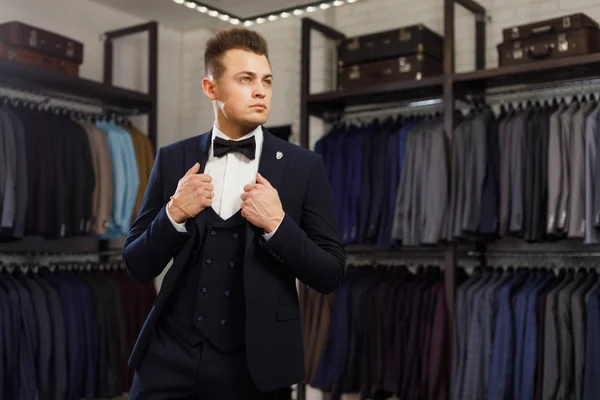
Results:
209 87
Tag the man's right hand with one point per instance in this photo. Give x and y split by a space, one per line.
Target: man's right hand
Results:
194 193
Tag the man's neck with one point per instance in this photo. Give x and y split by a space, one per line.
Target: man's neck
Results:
233 131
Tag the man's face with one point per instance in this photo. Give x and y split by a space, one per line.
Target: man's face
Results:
243 93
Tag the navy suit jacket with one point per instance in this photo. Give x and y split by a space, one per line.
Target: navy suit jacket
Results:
306 246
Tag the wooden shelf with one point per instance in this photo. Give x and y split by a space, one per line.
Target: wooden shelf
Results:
35 79
546 71
407 91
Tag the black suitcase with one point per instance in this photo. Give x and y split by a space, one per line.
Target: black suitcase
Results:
416 39
410 68
554 25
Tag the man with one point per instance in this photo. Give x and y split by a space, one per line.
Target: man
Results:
243 215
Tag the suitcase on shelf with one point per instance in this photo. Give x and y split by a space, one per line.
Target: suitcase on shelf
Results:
29 57
410 68
42 41
556 25
389 44
560 45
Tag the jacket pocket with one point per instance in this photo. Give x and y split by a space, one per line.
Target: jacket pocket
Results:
287 313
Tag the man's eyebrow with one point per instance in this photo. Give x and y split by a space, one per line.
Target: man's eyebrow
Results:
253 74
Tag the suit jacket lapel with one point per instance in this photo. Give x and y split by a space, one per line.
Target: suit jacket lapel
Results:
197 151
271 166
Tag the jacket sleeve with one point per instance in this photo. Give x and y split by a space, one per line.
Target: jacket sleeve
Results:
311 250
152 240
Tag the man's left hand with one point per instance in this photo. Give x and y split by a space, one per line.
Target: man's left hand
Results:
261 205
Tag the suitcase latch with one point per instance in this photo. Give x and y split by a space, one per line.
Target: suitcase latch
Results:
563 43
354 73
515 33
517 51
566 22
403 65
404 35
70 49
353 45
33 38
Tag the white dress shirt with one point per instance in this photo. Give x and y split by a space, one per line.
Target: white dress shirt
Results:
230 174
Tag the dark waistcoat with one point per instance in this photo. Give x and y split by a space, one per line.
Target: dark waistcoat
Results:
208 302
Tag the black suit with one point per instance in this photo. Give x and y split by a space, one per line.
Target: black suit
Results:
306 246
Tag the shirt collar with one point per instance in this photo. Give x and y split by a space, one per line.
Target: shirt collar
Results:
216 132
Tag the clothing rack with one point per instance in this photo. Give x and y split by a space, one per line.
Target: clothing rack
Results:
552 75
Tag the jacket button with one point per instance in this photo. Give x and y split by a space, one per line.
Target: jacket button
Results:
227 293
236 235
213 232
222 322
209 261
232 264
204 289
200 318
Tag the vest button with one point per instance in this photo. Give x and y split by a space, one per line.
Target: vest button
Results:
227 293
232 264
204 289
200 318
213 232
236 235
222 322
209 261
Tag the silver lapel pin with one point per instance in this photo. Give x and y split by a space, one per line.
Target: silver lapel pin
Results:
279 155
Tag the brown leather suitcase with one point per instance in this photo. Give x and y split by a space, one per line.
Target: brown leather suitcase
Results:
554 25
567 44
22 35
30 57
416 39
413 67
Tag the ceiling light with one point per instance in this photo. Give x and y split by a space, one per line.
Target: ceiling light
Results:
234 21
202 9
213 13
260 20
325 6
338 3
273 17
248 23
310 9
351 1
298 12
179 1
190 4
285 14
224 17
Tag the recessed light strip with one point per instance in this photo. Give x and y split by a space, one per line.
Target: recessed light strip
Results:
261 19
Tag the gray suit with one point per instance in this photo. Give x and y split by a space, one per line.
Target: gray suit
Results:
517 172
576 209
566 126
591 140
555 168
435 181
9 200
21 175
504 133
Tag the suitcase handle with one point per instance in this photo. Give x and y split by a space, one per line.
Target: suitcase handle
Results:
541 30
533 54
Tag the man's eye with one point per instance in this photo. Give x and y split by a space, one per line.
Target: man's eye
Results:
246 79
268 82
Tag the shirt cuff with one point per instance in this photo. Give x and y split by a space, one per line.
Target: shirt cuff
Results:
268 236
180 227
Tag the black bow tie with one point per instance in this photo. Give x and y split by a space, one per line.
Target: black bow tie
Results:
247 147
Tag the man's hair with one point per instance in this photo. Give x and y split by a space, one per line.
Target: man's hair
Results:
234 38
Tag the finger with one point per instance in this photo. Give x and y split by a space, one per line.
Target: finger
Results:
205 178
194 170
261 179
248 188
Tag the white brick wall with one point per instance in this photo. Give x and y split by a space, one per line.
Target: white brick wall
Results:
362 17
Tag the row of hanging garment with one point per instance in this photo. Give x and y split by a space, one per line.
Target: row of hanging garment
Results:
528 171
68 328
65 174
527 332
389 179
383 333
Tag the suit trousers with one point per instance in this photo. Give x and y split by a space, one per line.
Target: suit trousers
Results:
171 369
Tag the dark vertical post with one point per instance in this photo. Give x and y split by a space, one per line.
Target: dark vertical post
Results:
108 60
305 83
450 252
153 84
480 41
